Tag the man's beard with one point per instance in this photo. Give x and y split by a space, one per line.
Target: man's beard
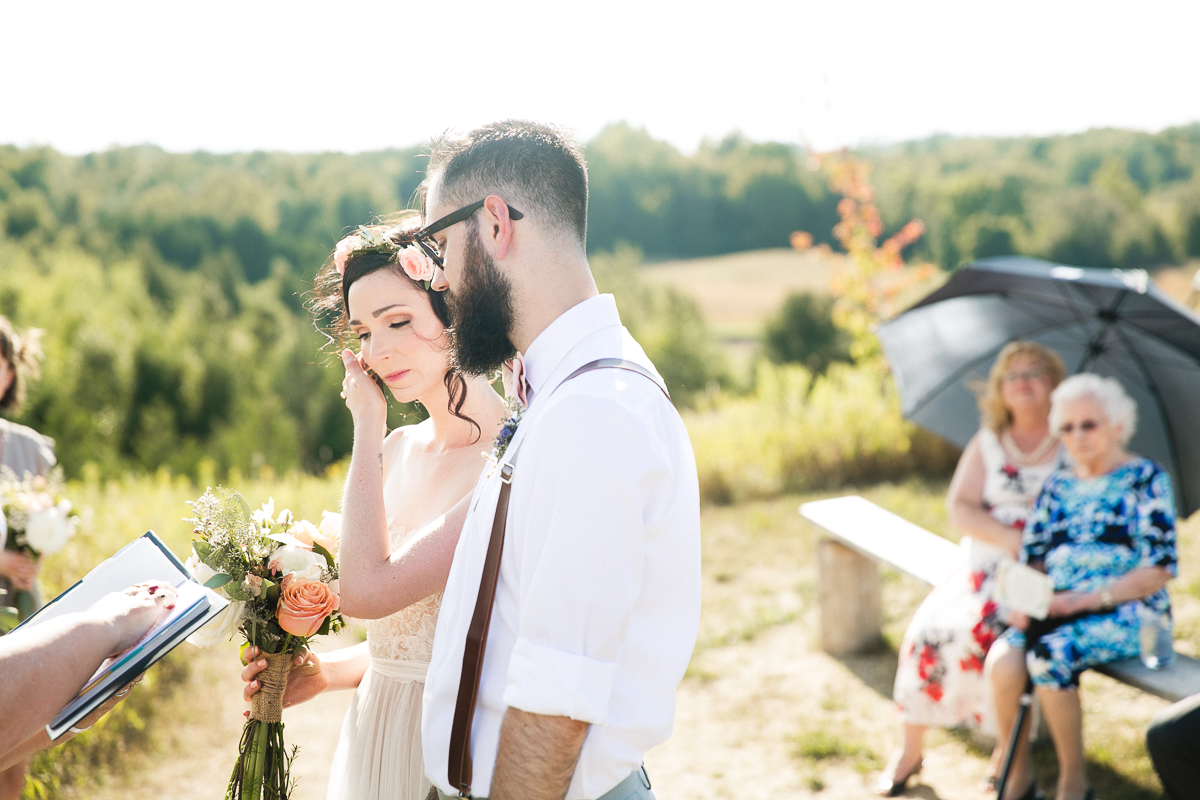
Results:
481 313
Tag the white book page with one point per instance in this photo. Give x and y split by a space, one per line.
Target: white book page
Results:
140 560
1023 588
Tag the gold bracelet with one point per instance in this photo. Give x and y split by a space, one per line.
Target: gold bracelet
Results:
1106 600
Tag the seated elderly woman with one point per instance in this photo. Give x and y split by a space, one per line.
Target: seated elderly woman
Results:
1104 530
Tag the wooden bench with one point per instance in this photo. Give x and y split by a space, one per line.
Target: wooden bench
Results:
860 535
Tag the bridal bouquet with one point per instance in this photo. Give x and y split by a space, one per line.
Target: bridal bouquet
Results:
281 578
36 518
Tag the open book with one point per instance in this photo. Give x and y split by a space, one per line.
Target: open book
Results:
143 559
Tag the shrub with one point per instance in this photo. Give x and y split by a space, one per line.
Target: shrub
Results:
798 432
803 333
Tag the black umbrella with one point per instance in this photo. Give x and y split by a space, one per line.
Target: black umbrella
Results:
1111 322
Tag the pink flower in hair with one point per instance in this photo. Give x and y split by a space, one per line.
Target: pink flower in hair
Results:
342 253
416 264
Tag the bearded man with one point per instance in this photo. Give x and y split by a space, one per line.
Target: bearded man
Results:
591 544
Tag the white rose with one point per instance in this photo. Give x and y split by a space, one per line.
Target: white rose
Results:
298 561
48 531
265 516
220 628
331 525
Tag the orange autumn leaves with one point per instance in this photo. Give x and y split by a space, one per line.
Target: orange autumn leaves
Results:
868 283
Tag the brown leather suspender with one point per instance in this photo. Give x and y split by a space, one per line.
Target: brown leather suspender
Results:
459 768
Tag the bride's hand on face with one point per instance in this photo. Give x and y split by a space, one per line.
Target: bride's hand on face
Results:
306 680
363 398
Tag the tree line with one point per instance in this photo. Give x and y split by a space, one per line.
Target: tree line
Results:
172 285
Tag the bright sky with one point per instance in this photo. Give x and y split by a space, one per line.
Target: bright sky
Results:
358 75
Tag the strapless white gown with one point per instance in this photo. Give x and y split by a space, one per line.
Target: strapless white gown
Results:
379 753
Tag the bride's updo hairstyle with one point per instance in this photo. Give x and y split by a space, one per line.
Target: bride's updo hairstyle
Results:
390 244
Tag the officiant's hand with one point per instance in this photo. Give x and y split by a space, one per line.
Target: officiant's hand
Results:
134 611
306 680
19 568
363 397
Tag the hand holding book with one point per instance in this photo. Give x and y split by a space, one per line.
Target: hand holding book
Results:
135 612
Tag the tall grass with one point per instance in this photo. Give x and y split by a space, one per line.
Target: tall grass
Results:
115 513
798 432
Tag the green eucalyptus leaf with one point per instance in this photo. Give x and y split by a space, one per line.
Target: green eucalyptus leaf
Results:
243 506
319 550
203 549
217 581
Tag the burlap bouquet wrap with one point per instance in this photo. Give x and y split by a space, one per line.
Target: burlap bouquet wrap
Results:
267 703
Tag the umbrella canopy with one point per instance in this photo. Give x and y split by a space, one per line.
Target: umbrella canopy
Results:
1114 323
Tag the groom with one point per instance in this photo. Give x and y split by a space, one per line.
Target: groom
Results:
598 597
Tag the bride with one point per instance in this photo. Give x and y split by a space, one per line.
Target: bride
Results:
404 503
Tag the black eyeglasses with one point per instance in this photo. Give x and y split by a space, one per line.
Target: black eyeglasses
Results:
1087 426
424 236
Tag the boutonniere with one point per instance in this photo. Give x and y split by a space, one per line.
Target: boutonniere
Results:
504 437
516 391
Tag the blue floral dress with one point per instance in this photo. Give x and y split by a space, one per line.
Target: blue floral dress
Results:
1087 533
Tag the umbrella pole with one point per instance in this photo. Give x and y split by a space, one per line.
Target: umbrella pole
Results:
1015 737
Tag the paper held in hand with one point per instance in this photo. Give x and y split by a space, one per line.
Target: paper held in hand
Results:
1023 588
144 559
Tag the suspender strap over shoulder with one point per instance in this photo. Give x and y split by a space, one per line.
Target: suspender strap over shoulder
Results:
459 764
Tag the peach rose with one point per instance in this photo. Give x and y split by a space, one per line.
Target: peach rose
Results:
341 253
304 604
416 264
308 533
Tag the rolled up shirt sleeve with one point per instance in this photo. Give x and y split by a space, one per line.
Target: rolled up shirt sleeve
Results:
581 557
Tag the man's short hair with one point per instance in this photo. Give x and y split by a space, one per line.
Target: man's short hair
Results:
538 169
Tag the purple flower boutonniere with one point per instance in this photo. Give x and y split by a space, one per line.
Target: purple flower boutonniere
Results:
507 431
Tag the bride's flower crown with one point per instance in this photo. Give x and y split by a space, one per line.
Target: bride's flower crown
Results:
409 256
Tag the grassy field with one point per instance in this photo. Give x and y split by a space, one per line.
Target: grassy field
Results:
761 704
739 292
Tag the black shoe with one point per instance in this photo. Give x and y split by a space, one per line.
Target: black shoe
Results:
886 788
1032 793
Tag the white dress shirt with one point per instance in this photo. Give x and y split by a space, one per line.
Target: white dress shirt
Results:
598 601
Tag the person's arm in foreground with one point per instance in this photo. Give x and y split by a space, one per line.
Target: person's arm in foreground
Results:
41 740
537 756
376 582
46 665
964 502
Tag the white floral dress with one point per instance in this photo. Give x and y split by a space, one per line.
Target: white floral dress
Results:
379 753
939 680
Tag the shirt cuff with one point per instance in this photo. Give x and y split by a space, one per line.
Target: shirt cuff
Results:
544 680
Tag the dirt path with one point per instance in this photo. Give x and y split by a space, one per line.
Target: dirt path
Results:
735 728
763 710
196 757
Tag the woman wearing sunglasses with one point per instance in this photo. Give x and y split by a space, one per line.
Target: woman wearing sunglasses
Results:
939 680
1104 530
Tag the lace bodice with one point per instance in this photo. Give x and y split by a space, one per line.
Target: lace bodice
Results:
406 635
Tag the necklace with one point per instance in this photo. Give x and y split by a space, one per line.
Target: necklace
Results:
1033 457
